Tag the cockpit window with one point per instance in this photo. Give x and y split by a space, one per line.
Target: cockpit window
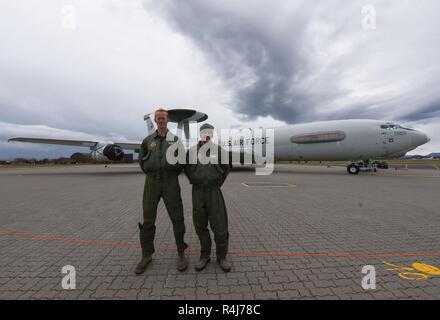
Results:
394 127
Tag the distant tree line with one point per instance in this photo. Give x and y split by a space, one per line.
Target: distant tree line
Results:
75 158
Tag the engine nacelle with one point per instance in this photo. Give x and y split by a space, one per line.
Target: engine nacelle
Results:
108 152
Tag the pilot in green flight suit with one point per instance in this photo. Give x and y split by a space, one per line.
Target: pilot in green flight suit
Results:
207 177
161 181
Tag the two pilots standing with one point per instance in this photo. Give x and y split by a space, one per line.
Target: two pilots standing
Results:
162 181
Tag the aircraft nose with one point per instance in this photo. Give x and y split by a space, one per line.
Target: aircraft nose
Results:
420 138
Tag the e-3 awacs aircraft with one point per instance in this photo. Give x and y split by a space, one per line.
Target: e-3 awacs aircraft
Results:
358 141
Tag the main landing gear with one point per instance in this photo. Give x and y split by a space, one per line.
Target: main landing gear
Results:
366 166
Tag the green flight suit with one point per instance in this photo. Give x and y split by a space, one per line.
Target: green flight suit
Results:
161 181
208 202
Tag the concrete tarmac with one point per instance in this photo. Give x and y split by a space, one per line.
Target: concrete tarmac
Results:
304 232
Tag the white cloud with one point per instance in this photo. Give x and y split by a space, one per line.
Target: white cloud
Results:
119 64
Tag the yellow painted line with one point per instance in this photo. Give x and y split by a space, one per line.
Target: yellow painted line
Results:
418 271
436 167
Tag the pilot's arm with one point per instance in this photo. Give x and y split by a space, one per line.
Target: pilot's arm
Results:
224 164
141 156
186 165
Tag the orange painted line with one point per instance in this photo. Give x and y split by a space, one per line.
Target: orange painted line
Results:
63 239
235 253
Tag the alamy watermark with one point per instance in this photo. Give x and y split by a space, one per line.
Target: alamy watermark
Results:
368 17
369 280
69 17
68 281
245 147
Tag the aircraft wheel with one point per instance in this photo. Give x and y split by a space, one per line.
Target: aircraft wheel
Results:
352 169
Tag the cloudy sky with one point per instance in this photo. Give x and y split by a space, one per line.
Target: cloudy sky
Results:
83 69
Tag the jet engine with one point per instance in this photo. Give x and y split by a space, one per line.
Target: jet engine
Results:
107 152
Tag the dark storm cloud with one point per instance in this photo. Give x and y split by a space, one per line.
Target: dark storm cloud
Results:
301 61
256 64
429 111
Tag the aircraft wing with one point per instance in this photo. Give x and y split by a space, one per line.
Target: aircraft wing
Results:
129 145
76 143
